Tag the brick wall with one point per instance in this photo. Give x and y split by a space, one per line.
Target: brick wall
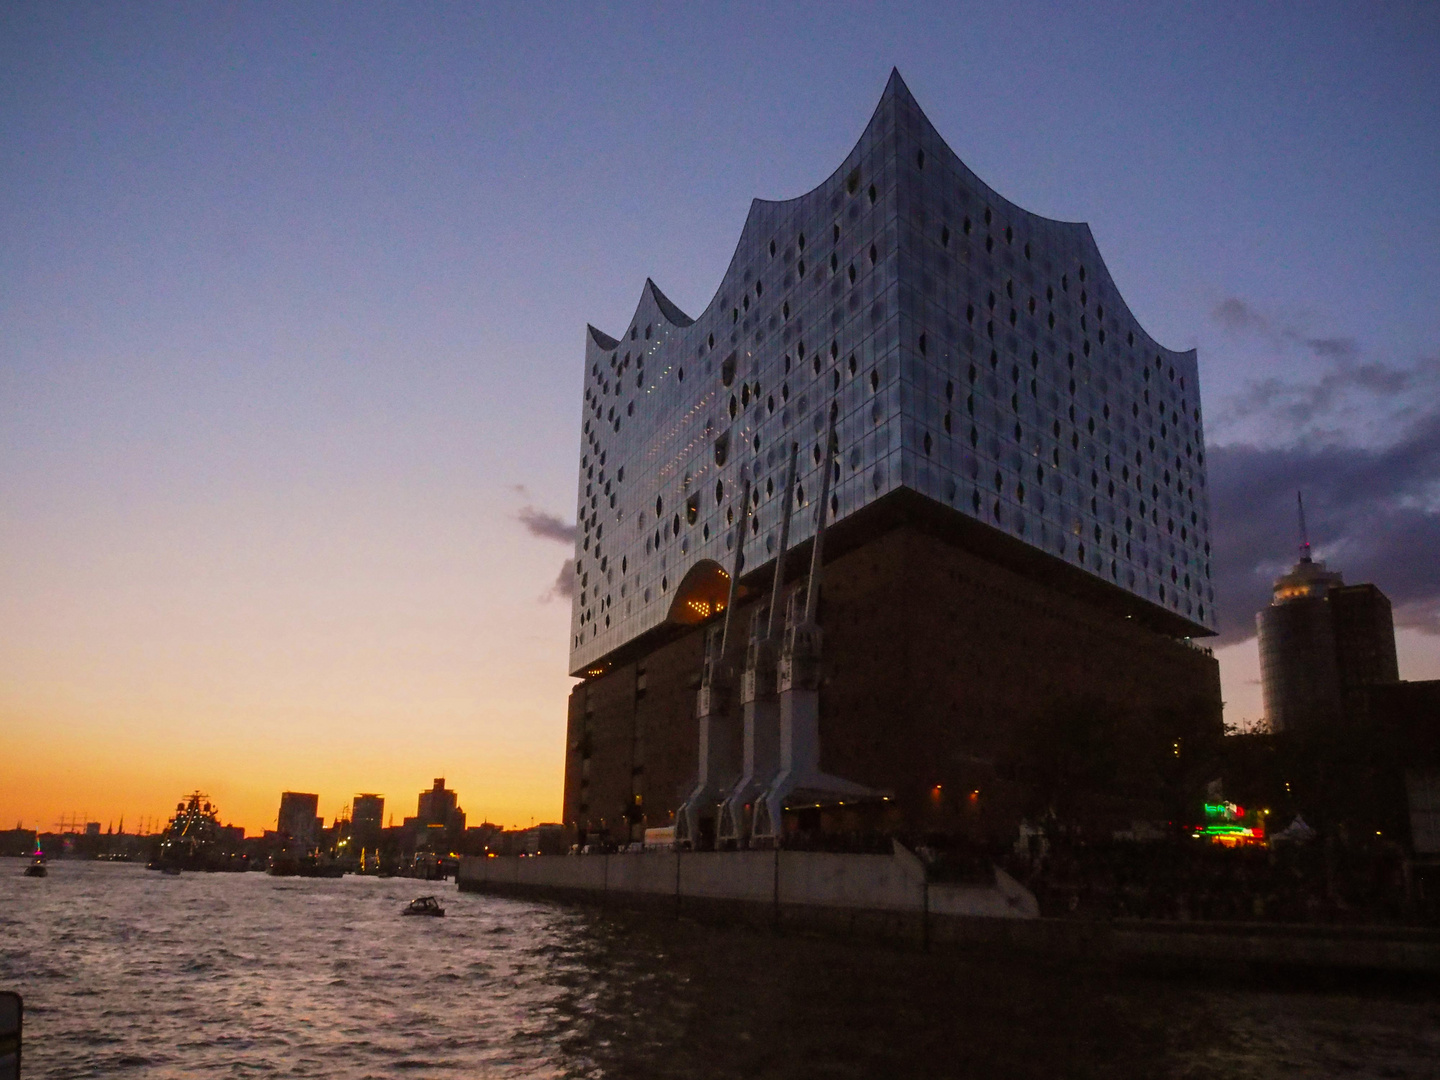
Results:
941 668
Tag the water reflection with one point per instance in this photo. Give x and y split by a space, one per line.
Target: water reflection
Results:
128 973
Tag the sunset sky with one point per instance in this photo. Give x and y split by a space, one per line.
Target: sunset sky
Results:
292 301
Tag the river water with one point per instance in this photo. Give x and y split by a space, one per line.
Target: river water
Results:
128 973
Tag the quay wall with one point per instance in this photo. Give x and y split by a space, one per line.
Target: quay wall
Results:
803 879
888 897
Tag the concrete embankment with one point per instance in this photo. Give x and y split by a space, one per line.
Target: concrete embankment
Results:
889 897
775 881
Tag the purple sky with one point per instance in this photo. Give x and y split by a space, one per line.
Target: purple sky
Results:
293 297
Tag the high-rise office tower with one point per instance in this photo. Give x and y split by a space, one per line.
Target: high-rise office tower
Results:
439 807
298 820
1321 643
1364 637
367 821
1010 475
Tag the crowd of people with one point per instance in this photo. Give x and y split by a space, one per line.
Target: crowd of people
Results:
1183 878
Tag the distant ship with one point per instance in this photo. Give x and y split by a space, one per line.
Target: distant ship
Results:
195 840
289 862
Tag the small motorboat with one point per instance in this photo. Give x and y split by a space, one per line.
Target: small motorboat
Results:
36 869
425 905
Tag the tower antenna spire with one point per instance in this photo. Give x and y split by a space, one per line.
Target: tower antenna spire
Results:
1304 532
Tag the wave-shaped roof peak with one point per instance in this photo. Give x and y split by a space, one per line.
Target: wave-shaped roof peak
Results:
979 355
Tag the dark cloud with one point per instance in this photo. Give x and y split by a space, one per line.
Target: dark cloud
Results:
1235 316
1239 317
1373 513
551 527
1340 395
546 526
564 587
1302 404
1342 385
1334 348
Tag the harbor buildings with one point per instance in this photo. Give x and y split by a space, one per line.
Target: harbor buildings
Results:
439 822
367 822
298 823
17 841
1352 744
1322 643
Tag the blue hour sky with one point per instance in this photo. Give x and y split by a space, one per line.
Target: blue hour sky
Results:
292 301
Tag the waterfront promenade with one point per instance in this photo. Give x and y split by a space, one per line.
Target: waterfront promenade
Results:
889 897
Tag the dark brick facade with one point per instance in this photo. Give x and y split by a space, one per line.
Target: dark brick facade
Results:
941 667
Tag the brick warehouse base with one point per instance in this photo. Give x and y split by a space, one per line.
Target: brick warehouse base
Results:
958 679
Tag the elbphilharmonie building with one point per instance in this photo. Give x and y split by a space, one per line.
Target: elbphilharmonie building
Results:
1006 470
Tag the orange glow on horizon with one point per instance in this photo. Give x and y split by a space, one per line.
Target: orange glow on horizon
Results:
195 644
134 792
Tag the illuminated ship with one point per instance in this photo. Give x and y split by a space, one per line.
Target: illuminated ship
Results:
195 840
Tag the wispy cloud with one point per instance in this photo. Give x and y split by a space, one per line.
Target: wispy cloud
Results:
564 586
1238 317
1373 513
1360 438
546 526
1302 404
1337 396
1339 349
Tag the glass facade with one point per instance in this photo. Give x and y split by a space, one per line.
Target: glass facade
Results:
977 354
